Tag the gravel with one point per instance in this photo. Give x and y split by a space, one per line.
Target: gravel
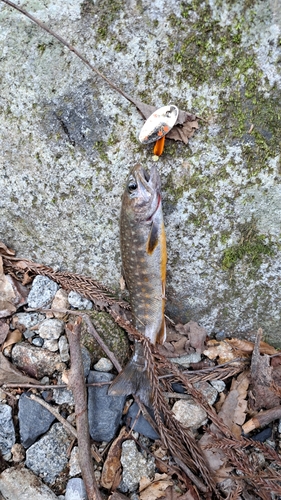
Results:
34 420
7 429
105 412
48 456
42 292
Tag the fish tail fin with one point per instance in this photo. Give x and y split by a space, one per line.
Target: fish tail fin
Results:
134 378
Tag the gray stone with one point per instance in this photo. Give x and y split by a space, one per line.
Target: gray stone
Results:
51 345
28 334
209 392
221 193
7 429
48 456
18 452
141 425
35 361
60 302
42 292
219 385
103 365
74 465
64 349
189 413
185 361
86 358
105 412
79 302
38 342
18 483
63 396
75 490
27 319
34 420
51 329
135 466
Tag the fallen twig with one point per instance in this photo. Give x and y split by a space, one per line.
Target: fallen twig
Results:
54 412
77 385
193 477
261 419
94 333
51 386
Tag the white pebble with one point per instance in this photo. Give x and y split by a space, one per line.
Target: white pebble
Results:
103 365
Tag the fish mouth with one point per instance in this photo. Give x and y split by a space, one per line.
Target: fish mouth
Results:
148 180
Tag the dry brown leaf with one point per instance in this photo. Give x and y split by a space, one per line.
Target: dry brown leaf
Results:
10 375
233 411
261 395
150 490
5 250
189 495
10 293
111 472
4 330
171 494
117 496
247 346
13 337
223 351
197 336
215 458
183 132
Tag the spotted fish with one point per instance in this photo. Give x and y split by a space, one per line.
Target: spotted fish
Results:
143 249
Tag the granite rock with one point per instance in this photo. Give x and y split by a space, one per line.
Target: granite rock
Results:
103 365
35 361
64 349
135 466
68 141
48 457
28 320
75 490
7 429
74 466
18 483
51 329
60 302
79 302
51 345
42 292
189 413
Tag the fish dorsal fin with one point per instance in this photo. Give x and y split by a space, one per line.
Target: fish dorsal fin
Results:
153 238
161 336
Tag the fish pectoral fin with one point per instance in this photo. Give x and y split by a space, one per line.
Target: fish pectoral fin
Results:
153 238
161 336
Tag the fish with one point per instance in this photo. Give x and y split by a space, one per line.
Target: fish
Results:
144 259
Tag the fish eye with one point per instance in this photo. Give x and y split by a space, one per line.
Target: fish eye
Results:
132 185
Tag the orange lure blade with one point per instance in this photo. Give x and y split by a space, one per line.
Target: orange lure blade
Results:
159 146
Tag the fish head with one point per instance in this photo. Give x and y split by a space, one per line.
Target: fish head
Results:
142 196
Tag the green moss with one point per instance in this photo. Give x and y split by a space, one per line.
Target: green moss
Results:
114 337
251 245
104 13
208 52
100 146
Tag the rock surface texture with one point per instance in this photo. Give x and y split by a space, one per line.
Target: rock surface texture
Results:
68 141
21 484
